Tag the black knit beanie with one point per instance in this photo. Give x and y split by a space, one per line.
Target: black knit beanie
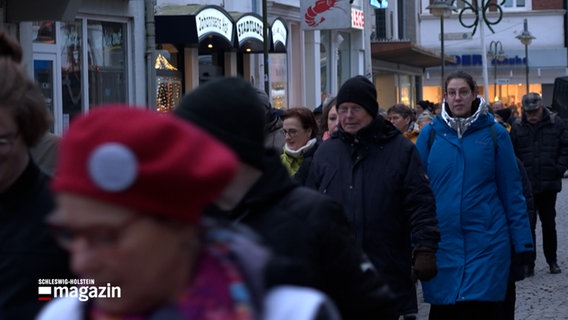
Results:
361 91
230 110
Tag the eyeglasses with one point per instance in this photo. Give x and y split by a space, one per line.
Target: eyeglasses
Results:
462 93
353 109
290 132
7 142
98 236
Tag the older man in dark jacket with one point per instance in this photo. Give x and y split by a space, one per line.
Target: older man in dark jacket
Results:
306 230
377 174
540 140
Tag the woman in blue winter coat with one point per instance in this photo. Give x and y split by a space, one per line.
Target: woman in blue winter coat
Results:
480 205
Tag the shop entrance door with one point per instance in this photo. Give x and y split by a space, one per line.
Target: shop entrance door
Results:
46 76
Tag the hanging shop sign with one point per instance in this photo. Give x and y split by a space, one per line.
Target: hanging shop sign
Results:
357 19
477 60
279 35
208 27
214 21
325 14
250 33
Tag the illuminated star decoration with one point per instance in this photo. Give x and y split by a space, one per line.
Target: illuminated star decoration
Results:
486 5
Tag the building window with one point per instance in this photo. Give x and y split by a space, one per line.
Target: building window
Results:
508 5
514 4
380 24
107 62
71 69
96 66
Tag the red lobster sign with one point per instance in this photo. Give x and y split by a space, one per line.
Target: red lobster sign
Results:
325 14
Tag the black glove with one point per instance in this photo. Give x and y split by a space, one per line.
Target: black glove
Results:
424 264
519 264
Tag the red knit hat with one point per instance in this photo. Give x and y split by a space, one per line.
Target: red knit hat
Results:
139 159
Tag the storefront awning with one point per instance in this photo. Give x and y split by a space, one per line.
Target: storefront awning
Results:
407 53
279 36
209 27
250 33
34 10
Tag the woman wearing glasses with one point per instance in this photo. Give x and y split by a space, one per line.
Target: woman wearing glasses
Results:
479 204
129 207
300 130
27 252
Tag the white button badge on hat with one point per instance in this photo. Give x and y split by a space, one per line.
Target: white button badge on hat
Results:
113 167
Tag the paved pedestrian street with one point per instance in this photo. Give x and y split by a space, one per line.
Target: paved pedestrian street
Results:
544 296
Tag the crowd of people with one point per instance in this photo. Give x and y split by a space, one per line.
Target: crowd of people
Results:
229 209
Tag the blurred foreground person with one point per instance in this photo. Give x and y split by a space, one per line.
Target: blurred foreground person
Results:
129 205
27 252
307 228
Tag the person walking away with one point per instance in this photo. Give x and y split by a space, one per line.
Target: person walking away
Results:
480 205
273 124
377 176
540 140
27 253
300 133
307 229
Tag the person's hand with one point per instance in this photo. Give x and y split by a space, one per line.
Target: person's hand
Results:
424 267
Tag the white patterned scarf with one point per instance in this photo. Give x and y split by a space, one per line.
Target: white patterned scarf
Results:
462 124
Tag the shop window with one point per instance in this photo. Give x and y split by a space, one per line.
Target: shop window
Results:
102 55
106 62
514 4
71 69
278 80
168 81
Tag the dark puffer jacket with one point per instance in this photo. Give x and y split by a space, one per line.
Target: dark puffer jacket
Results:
543 149
379 179
309 231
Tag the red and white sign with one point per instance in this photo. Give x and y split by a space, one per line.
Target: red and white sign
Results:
357 19
325 14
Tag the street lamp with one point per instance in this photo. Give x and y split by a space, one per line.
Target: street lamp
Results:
526 38
497 54
442 9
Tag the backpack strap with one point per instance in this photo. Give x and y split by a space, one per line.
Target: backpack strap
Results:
494 137
431 138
